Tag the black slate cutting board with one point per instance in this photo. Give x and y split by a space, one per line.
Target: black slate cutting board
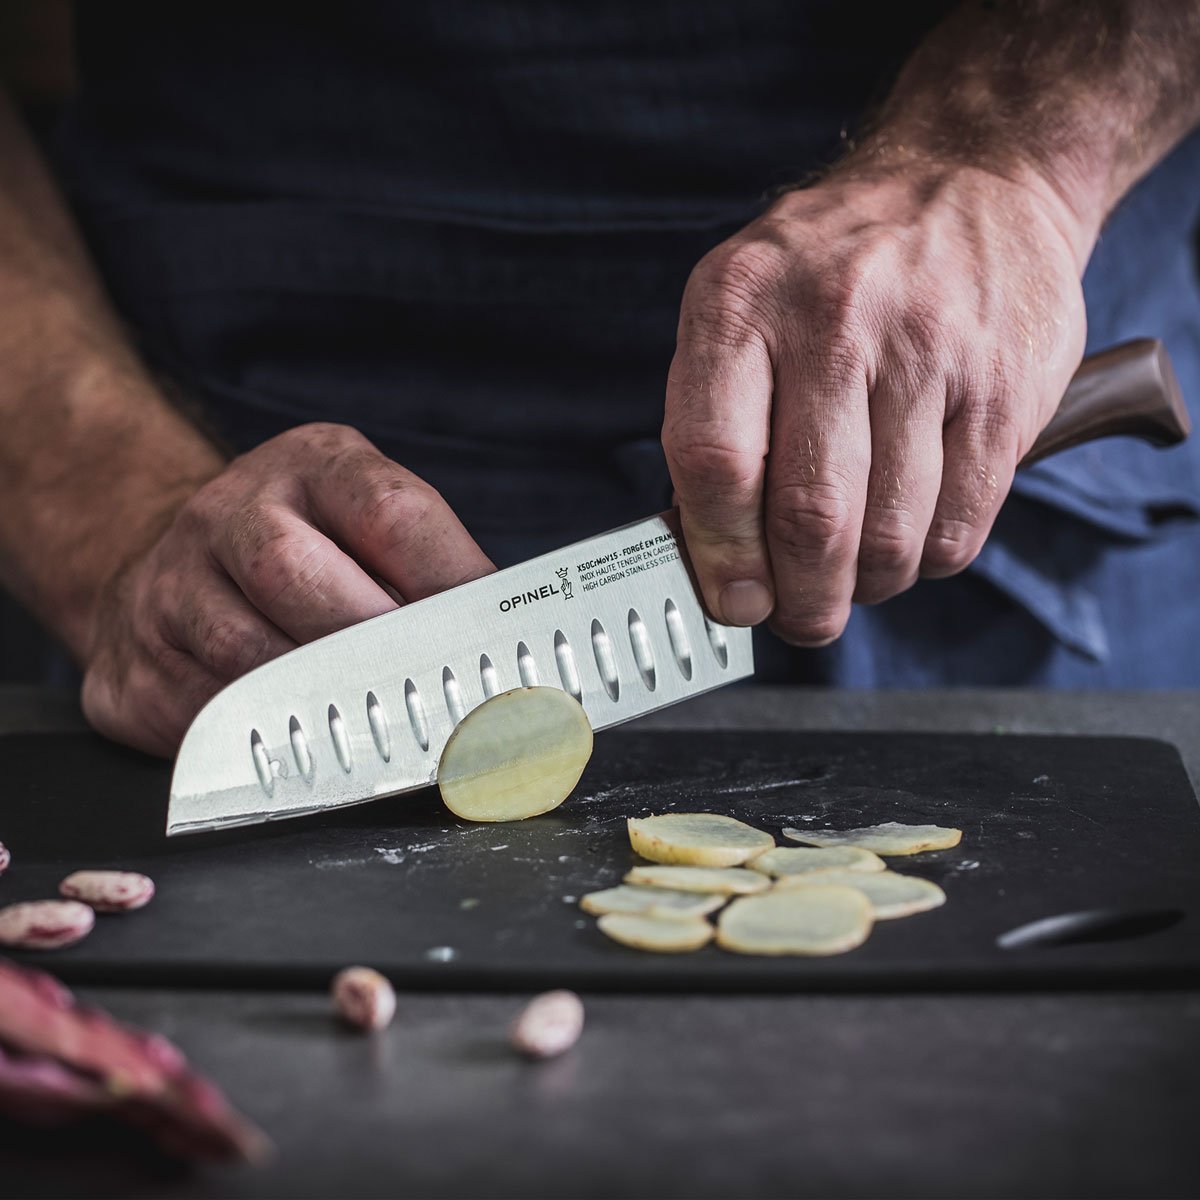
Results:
1052 825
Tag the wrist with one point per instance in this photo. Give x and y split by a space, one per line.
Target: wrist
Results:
1065 196
97 464
1074 102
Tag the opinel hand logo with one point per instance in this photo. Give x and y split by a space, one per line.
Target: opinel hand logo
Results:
563 582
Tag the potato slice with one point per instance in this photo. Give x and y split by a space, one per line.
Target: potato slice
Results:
697 839
814 920
665 935
653 901
892 837
727 881
891 894
518 754
809 860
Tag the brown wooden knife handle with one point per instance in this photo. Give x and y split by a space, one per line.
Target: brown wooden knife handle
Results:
1128 390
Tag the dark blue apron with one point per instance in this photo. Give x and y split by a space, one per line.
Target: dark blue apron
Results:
464 228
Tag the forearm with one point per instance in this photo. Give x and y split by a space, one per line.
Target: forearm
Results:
1087 95
93 460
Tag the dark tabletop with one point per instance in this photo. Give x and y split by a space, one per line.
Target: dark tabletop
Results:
1068 1094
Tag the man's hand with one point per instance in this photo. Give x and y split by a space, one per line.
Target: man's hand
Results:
858 373
306 534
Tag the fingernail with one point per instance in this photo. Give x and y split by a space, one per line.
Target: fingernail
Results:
746 602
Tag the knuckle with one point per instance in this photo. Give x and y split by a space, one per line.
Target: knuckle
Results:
163 659
287 567
729 294
322 436
993 418
252 530
698 461
745 265
810 521
951 546
814 628
392 511
889 547
232 647
827 628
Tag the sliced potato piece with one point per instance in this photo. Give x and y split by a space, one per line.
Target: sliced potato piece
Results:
665 935
518 754
810 860
892 837
814 920
726 881
654 901
891 894
696 839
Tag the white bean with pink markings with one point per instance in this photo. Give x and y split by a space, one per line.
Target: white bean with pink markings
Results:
548 1025
109 891
45 924
363 998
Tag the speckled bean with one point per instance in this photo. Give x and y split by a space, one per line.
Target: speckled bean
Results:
548 1025
109 891
363 998
45 924
5 858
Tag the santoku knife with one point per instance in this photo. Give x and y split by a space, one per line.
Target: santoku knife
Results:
615 620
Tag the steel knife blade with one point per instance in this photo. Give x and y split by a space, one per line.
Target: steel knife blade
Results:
615 620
